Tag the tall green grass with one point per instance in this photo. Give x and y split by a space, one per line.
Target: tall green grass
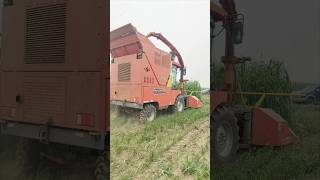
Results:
266 76
193 88
260 76
216 76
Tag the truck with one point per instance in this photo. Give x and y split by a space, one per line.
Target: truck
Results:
54 73
144 77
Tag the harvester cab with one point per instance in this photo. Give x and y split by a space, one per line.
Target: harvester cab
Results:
145 77
238 126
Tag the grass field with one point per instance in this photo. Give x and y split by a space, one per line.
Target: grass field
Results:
11 169
296 162
174 146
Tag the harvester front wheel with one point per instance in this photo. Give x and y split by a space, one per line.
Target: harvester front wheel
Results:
148 113
178 106
225 135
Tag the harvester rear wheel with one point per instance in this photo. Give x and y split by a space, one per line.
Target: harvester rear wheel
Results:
225 135
148 113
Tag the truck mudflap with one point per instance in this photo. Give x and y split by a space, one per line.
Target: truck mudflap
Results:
47 134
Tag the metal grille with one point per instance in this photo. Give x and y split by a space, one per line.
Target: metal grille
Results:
44 98
45 34
124 72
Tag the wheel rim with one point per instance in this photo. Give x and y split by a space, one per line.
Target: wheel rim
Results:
151 115
180 106
224 139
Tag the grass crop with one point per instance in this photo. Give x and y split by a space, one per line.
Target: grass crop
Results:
190 167
216 76
166 170
194 88
136 147
266 76
260 76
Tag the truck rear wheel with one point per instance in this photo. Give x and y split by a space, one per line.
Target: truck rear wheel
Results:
28 154
101 171
225 135
148 113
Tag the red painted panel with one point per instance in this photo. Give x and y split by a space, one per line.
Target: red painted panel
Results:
270 129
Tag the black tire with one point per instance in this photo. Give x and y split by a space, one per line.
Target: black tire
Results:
148 113
178 106
28 154
225 133
101 171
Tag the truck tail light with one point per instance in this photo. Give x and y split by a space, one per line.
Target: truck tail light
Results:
85 119
8 112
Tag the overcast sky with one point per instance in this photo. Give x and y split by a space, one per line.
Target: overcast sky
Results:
185 23
287 30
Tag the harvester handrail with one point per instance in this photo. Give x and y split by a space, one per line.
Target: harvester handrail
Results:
263 95
192 92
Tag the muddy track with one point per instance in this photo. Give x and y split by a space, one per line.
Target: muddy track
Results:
191 143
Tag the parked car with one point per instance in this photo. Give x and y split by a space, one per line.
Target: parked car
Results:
309 95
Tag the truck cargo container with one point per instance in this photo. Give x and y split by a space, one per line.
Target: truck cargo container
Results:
54 75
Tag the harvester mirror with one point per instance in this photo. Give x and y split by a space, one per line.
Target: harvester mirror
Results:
184 71
139 55
237 32
173 56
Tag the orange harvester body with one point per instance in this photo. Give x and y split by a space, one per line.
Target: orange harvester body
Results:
140 72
